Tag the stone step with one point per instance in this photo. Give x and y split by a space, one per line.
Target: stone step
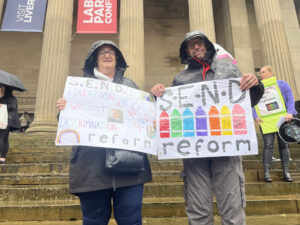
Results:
34 168
156 166
280 219
158 177
254 164
154 190
13 158
152 207
34 179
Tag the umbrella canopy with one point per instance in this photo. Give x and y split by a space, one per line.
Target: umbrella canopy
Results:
11 80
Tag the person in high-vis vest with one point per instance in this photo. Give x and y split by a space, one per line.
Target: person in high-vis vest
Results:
277 102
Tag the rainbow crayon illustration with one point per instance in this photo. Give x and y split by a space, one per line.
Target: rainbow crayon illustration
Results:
239 120
188 123
176 124
201 122
226 121
164 126
214 121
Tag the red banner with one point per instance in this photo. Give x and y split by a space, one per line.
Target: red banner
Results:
97 16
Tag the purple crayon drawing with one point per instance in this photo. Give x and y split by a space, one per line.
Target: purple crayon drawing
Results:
239 120
201 122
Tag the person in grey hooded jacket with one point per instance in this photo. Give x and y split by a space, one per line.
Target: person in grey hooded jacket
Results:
222 176
89 179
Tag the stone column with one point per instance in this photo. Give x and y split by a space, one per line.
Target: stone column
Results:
54 67
202 18
291 25
132 39
239 34
1 9
276 51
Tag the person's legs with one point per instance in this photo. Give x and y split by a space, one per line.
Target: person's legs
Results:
284 152
267 155
198 191
4 145
127 203
96 207
229 188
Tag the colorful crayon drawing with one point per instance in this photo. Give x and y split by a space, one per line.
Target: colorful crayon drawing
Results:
239 120
201 122
214 121
68 136
272 106
188 123
176 124
164 125
226 121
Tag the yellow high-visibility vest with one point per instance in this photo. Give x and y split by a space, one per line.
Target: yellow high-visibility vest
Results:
271 106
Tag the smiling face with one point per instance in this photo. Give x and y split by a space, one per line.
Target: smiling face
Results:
196 48
106 58
266 73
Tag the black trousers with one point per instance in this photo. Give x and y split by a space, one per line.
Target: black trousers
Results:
4 145
268 150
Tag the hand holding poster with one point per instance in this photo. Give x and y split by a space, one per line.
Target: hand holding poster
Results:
105 114
207 119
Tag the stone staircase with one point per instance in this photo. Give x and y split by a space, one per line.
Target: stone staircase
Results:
34 188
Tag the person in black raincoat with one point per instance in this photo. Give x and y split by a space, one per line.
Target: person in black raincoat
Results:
89 179
222 176
13 122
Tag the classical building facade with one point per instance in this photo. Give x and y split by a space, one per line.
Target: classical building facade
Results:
255 32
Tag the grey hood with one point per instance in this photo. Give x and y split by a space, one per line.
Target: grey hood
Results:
91 59
185 59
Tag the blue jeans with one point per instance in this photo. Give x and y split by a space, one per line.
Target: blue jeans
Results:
127 204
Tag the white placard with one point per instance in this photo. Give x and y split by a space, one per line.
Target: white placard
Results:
206 119
270 103
105 114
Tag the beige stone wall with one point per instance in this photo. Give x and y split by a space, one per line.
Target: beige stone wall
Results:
297 5
20 54
255 39
291 25
219 24
162 40
166 23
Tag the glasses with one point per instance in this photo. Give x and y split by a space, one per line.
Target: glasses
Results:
107 52
193 43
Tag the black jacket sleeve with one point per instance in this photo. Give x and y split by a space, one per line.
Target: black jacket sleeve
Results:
256 93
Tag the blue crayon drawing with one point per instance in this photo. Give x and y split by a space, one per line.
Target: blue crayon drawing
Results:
188 123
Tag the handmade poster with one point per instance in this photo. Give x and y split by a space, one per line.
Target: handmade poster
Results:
271 102
206 119
104 114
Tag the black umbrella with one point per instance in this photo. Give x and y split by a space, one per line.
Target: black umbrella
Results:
11 81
